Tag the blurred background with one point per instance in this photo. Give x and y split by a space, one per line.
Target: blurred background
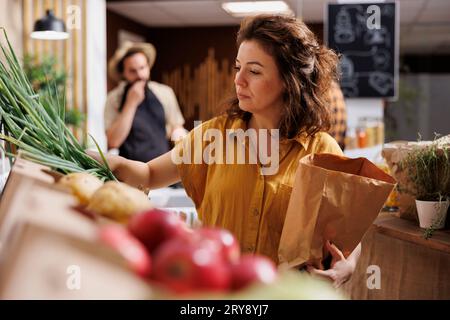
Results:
395 80
195 43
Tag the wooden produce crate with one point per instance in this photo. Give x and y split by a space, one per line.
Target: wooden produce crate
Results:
23 176
49 264
50 250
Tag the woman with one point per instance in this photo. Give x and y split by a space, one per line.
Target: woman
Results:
282 76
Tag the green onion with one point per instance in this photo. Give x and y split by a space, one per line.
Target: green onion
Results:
35 124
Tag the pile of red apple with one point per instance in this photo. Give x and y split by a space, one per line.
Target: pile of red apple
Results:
160 247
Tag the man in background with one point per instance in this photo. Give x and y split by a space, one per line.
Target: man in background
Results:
140 115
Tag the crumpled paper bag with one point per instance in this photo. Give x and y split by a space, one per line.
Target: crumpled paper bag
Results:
333 198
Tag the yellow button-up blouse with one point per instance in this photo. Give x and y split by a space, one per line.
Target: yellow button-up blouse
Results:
238 197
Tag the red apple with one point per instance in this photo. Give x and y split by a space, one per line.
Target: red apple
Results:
130 248
228 244
155 226
192 265
253 269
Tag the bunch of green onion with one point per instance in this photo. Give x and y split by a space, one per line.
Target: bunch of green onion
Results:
35 124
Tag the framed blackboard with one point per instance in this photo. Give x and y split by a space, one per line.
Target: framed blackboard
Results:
366 36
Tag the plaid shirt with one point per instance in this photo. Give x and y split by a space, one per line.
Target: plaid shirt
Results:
338 115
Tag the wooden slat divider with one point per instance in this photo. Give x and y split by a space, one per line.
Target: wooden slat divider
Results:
71 54
202 88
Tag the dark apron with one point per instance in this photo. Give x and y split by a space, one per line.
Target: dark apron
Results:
147 138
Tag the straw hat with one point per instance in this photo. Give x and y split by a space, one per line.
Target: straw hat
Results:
147 48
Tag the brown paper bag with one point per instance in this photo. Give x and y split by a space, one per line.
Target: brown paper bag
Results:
333 198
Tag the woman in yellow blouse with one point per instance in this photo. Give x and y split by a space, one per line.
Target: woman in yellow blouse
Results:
282 75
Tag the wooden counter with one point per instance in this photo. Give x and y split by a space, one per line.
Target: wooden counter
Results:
411 267
407 230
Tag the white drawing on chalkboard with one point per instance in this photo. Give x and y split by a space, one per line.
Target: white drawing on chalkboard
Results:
377 37
345 31
380 57
381 81
346 67
348 81
343 27
361 17
350 27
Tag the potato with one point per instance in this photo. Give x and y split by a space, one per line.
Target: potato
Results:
118 201
83 185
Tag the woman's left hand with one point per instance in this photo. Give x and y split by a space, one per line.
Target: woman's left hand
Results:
341 268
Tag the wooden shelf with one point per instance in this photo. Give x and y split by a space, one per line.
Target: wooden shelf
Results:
409 231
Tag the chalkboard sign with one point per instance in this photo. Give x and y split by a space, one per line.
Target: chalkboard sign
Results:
366 36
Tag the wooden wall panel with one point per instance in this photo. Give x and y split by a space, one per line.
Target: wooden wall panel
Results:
71 54
84 67
201 90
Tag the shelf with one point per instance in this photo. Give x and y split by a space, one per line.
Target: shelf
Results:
409 231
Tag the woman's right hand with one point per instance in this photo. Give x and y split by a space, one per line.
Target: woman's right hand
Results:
158 173
113 161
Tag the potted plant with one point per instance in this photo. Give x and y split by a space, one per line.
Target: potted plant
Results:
48 79
428 168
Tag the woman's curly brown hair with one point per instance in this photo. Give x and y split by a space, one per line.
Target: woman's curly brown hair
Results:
306 68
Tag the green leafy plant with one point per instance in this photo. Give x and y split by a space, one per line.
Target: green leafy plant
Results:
428 169
48 79
34 123
75 118
43 73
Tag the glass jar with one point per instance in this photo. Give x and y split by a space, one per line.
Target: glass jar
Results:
361 136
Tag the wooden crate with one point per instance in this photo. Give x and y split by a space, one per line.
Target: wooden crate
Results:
47 264
45 241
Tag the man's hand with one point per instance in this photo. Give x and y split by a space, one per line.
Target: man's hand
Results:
119 130
178 134
341 268
136 94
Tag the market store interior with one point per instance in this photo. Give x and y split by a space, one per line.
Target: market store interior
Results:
394 79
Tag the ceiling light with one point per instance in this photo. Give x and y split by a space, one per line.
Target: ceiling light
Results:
247 8
49 28
359 1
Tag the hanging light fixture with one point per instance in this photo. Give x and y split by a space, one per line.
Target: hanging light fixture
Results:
49 28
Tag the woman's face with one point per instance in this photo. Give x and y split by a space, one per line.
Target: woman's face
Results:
259 87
